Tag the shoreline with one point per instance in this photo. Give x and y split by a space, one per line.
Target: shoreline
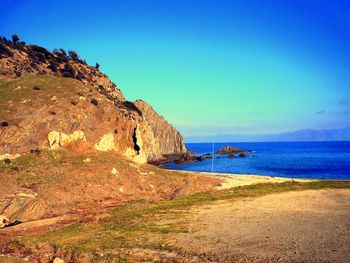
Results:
235 180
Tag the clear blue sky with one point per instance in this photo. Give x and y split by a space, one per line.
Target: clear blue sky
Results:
209 67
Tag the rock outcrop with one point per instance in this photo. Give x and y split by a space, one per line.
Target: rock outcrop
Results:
54 100
59 139
166 139
4 221
230 150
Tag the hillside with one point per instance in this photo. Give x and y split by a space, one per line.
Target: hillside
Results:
72 147
54 100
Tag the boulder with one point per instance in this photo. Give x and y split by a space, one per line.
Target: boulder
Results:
4 221
58 260
7 156
59 139
105 143
186 157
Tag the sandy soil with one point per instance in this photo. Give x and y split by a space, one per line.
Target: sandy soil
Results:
234 180
301 226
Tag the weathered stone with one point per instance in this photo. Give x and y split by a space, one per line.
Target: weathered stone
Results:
4 221
9 156
75 136
58 260
230 150
106 143
59 139
162 138
54 140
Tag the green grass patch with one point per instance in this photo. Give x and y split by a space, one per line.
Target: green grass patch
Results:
20 89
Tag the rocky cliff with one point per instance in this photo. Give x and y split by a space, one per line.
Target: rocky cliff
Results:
55 100
167 140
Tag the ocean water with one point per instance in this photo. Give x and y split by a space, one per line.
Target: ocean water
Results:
323 160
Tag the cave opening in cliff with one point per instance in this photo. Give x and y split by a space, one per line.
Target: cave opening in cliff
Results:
134 139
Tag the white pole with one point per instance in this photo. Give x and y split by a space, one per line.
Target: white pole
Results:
212 160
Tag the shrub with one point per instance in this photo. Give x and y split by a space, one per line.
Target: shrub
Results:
4 124
15 38
94 101
68 71
20 45
34 65
80 76
53 65
73 55
131 106
63 52
5 51
39 54
97 66
42 50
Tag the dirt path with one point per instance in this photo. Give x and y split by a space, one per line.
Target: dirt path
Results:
301 226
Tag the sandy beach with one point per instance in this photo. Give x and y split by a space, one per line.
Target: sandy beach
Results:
235 180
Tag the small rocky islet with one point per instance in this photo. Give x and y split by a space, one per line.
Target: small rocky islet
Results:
190 156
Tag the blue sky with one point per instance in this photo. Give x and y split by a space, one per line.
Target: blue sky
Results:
248 67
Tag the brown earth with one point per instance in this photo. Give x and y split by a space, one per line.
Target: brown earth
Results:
303 226
48 189
51 99
55 183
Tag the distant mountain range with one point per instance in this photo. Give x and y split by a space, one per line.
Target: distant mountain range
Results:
299 135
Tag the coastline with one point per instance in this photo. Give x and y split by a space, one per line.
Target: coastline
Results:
236 180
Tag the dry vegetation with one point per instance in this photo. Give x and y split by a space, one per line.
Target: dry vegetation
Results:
135 231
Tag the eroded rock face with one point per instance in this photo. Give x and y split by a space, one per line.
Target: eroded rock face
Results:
164 138
137 154
106 143
59 139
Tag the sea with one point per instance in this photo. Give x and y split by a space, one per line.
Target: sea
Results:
321 160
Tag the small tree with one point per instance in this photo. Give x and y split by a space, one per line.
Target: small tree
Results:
53 65
97 65
73 55
63 52
15 38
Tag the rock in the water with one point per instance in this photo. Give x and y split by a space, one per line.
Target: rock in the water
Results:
231 156
186 157
230 150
